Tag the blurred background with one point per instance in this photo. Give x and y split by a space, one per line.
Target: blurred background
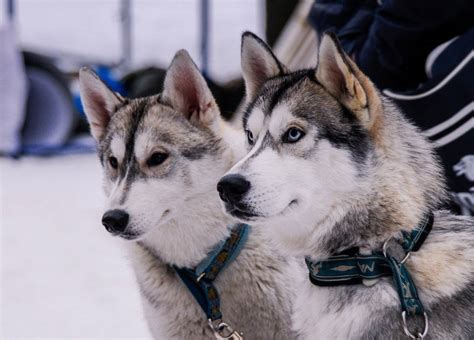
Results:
62 275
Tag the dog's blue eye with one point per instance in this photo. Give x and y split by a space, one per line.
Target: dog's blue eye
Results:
113 162
156 159
250 137
293 135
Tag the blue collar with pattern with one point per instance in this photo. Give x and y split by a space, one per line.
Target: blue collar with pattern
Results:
200 280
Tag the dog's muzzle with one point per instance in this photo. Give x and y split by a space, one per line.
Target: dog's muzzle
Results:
232 188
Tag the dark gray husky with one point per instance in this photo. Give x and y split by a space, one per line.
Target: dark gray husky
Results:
162 157
336 172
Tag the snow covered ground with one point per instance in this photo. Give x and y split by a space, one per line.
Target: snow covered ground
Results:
62 275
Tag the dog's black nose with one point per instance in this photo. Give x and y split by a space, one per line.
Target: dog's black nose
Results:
115 221
232 188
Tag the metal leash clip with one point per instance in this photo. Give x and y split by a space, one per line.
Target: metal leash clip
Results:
224 331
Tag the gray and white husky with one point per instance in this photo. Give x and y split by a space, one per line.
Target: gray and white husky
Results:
162 157
333 165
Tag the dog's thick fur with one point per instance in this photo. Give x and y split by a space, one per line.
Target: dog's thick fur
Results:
175 214
355 174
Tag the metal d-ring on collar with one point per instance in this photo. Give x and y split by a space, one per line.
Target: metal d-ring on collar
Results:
200 280
410 334
385 249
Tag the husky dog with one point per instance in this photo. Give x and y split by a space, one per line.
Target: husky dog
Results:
162 157
333 165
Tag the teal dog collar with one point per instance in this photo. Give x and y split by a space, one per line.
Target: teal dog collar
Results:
350 267
199 280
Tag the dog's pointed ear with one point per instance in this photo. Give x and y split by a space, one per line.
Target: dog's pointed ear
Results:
98 100
342 78
186 90
258 64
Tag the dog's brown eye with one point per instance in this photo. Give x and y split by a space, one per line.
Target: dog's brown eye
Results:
113 162
293 135
156 159
250 137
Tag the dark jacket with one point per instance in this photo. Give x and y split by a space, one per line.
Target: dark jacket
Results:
391 39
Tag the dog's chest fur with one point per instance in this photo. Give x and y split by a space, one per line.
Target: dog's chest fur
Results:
255 290
443 272
343 312
374 313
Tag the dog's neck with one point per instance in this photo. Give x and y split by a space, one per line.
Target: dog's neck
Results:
362 219
366 228
187 238
403 182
